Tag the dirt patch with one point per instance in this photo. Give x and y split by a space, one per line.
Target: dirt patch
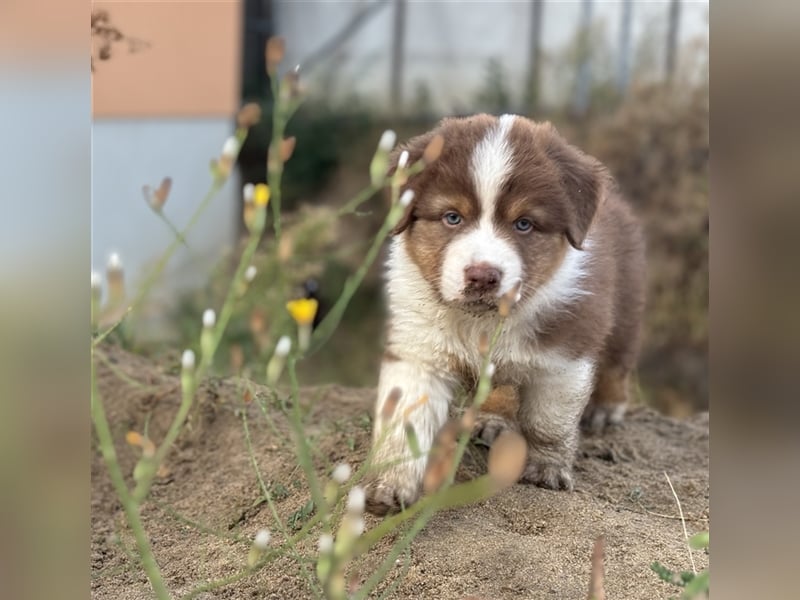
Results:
524 543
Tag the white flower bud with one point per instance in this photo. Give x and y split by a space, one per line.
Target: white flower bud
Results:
325 543
357 526
187 360
406 198
114 262
250 274
402 162
230 148
97 280
283 346
387 140
248 191
341 473
209 318
356 500
262 539
490 369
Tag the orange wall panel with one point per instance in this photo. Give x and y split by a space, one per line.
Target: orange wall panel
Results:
191 66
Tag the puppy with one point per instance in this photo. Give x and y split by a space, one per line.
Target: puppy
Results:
508 209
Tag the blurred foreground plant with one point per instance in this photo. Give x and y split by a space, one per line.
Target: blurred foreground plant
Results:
335 513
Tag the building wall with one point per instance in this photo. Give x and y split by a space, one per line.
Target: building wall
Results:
164 110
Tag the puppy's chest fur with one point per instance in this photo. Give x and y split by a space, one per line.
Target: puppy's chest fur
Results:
424 330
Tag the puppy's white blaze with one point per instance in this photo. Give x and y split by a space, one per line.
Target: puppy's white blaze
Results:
492 161
477 246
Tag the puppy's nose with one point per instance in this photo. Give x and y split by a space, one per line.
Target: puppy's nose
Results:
482 277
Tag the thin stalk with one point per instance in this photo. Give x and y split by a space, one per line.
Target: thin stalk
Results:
189 390
331 321
268 496
149 282
484 387
178 235
358 200
129 504
462 494
301 443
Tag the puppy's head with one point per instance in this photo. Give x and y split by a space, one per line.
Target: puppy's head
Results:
496 212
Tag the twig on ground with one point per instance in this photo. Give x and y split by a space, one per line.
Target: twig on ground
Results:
683 522
597 578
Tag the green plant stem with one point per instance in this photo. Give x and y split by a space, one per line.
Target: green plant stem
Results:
392 587
189 390
268 497
230 299
279 551
462 494
481 393
178 235
301 443
199 526
129 504
103 335
391 558
331 321
358 200
280 117
149 282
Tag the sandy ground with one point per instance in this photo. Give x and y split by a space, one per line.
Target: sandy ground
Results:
524 543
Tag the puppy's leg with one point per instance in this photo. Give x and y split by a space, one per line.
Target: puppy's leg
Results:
609 400
423 402
498 413
549 417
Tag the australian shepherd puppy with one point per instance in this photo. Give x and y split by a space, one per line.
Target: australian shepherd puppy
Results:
509 208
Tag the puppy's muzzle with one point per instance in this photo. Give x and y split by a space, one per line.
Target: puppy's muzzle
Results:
482 279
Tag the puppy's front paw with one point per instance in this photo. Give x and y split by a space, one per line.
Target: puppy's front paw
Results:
548 474
488 427
391 492
598 417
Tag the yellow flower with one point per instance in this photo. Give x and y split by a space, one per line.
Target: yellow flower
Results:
261 194
303 311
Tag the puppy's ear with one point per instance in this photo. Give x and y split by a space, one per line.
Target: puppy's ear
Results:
585 182
416 148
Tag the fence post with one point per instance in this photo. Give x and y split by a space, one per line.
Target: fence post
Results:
534 58
398 47
624 58
583 82
672 37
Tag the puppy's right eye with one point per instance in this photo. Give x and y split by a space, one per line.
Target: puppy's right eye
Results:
451 218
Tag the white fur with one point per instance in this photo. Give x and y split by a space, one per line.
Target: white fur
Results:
480 245
414 381
431 332
492 162
563 288
560 389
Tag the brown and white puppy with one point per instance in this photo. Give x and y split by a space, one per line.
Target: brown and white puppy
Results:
509 204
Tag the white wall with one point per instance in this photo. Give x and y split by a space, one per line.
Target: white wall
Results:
127 154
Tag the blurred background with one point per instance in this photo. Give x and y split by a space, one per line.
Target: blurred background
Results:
626 81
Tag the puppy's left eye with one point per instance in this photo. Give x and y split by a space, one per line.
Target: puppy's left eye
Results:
523 225
452 218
